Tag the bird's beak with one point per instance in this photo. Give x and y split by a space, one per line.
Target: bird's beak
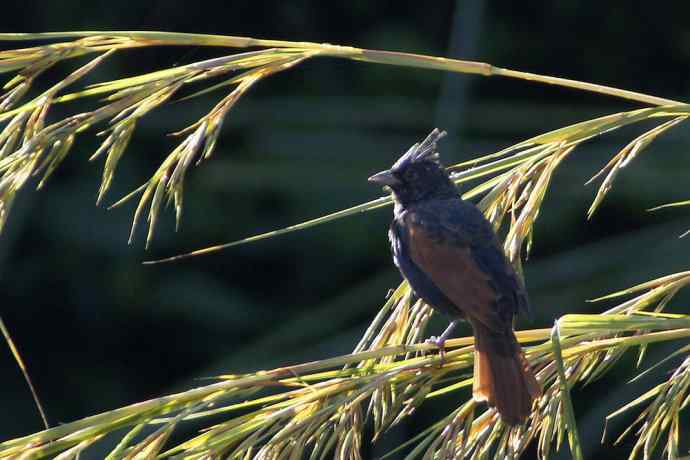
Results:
384 178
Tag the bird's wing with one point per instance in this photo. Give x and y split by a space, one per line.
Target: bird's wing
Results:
491 259
455 271
461 223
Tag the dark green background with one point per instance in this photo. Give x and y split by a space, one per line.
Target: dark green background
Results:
98 330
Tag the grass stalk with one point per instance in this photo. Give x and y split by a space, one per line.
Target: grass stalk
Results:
159 38
568 410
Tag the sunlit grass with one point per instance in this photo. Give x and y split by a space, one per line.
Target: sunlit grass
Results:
324 408
325 403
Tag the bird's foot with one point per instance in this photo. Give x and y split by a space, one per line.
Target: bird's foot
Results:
440 343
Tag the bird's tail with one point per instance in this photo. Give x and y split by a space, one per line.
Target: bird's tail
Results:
502 375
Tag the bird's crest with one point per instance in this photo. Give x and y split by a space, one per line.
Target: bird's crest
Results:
424 151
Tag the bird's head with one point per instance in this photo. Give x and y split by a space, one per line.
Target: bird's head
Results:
418 175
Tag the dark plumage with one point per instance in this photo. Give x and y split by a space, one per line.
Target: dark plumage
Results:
448 252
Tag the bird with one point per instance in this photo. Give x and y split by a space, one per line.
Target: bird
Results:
452 259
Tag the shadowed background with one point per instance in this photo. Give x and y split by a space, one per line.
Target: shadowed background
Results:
98 330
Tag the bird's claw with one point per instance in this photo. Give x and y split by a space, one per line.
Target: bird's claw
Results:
440 343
